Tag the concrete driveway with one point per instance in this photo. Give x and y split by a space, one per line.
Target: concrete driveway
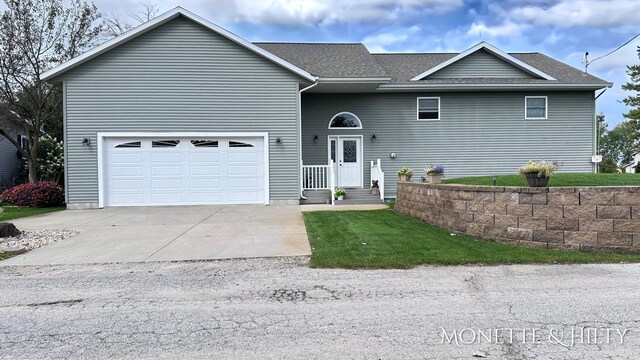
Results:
168 234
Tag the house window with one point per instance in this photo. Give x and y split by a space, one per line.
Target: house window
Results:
164 143
535 107
132 144
204 143
345 120
428 108
235 144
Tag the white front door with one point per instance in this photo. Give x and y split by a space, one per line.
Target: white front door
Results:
347 154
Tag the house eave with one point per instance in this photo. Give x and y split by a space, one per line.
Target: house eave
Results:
380 80
158 21
454 87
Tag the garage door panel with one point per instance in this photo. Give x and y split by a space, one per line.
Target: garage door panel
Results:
242 183
184 171
243 170
126 158
165 157
127 170
205 197
128 184
166 184
127 199
207 157
243 196
205 183
205 170
166 170
164 198
234 157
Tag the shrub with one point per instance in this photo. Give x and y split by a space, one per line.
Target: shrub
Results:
637 169
43 194
50 164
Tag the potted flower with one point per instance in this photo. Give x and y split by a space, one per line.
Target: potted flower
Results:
435 173
340 194
537 173
405 174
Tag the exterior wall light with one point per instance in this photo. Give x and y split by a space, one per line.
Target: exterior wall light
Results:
86 142
278 141
315 138
374 138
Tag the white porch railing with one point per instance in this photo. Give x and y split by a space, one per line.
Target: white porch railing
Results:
319 177
378 174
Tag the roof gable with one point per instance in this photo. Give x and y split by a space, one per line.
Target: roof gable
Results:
158 21
480 55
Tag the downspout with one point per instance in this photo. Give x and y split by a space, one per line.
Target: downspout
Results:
597 128
300 135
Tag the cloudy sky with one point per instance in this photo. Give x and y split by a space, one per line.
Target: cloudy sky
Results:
563 29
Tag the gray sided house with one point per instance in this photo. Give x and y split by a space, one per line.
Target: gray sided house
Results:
10 163
180 111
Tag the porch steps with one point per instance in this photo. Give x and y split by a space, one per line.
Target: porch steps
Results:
359 196
316 197
354 197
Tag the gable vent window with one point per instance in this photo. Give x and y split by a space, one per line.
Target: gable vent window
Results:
164 143
535 107
205 143
345 120
132 144
237 144
428 108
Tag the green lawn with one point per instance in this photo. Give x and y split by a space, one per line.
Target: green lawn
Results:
11 213
386 239
572 179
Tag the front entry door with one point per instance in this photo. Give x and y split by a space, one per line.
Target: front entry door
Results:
348 161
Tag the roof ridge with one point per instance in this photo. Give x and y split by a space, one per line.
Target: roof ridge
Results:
306 43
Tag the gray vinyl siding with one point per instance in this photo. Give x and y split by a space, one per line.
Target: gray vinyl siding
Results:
9 163
480 64
478 134
180 77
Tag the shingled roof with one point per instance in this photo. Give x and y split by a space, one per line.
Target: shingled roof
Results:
329 60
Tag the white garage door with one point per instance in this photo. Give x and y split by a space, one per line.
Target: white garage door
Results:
184 171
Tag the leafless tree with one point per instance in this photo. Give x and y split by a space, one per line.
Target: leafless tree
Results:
36 35
115 25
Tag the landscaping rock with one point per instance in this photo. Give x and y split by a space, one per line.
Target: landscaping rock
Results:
8 230
13 250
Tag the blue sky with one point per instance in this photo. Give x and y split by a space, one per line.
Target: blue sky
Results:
563 29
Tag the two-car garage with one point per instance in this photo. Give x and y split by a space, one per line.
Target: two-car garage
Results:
183 169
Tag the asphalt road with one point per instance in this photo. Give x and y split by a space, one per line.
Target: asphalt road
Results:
280 308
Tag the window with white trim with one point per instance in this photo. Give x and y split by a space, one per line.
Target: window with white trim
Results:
344 120
535 107
428 108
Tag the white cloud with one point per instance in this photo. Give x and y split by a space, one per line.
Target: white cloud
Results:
380 42
506 29
569 13
326 12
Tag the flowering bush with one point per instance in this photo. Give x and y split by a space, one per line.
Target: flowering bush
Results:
42 194
50 164
542 168
434 170
405 171
341 192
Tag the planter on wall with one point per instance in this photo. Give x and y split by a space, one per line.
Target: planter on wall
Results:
435 178
405 178
534 180
341 197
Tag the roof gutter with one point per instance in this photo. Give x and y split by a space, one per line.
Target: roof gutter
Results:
537 86
301 190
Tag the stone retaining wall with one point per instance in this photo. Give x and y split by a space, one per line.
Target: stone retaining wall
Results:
578 218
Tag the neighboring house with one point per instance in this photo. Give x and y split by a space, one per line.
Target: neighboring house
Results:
631 167
181 111
10 163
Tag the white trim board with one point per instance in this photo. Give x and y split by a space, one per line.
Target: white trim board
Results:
160 20
492 49
101 136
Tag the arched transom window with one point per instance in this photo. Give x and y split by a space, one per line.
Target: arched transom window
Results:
345 120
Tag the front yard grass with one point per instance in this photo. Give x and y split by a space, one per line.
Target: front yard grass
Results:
11 213
568 179
386 239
